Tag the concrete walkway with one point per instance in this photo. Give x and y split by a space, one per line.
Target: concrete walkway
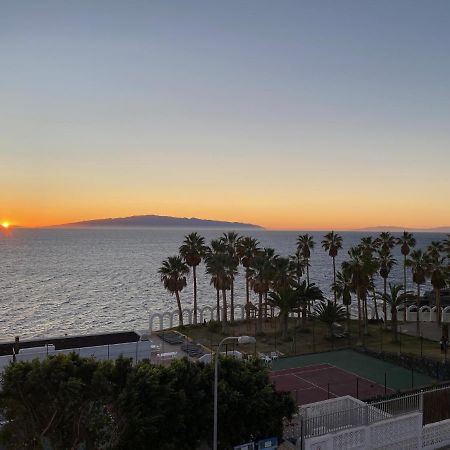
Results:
429 330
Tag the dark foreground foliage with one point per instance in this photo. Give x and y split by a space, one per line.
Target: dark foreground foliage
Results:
68 402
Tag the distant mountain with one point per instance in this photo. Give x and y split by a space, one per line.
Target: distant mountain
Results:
400 229
160 221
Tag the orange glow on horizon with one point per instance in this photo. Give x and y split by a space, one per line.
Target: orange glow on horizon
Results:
311 218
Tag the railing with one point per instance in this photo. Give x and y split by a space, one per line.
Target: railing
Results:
367 414
340 420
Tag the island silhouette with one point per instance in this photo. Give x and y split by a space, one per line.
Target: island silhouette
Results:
152 220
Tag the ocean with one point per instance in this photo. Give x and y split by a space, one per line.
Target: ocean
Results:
76 281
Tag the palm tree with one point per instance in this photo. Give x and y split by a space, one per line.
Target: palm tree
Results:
329 313
219 268
247 249
368 248
386 262
332 243
446 246
305 244
435 249
307 294
359 268
395 298
406 242
385 241
418 262
214 259
286 299
298 265
260 274
284 275
231 240
342 288
173 276
438 273
193 250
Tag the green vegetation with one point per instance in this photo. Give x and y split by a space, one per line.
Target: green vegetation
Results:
68 402
313 336
277 280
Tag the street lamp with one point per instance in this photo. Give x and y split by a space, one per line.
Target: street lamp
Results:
240 340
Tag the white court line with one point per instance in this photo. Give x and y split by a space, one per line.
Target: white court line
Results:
317 386
362 378
304 367
305 371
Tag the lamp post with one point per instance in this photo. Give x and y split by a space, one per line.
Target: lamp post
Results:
240 340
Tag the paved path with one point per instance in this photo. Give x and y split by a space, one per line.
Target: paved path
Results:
429 330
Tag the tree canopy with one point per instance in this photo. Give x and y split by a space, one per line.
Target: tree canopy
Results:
69 402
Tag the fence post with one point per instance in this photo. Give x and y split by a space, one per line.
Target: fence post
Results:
366 414
313 336
421 401
381 339
302 435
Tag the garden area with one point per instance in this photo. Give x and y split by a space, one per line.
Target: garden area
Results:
310 337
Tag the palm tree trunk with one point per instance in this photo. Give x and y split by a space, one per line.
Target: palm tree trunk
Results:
180 311
225 310
218 305
405 288
417 311
384 301
394 323
307 271
359 313
232 301
438 306
334 279
366 318
377 318
260 312
247 294
304 313
284 324
265 305
194 272
348 317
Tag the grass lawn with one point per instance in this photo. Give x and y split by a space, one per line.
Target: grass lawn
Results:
308 338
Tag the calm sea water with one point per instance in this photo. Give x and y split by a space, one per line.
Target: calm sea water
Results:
74 281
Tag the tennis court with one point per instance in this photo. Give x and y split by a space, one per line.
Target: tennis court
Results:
319 376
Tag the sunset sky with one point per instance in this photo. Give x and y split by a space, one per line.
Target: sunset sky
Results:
289 114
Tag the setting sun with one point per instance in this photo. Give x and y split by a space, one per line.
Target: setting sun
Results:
5 225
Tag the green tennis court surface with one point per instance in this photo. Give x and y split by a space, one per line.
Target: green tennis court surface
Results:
395 378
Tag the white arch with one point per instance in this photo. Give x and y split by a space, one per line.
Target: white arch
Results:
446 314
207 308
411 313
241 308
189 313
433 314
169 315
424 313
151 320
